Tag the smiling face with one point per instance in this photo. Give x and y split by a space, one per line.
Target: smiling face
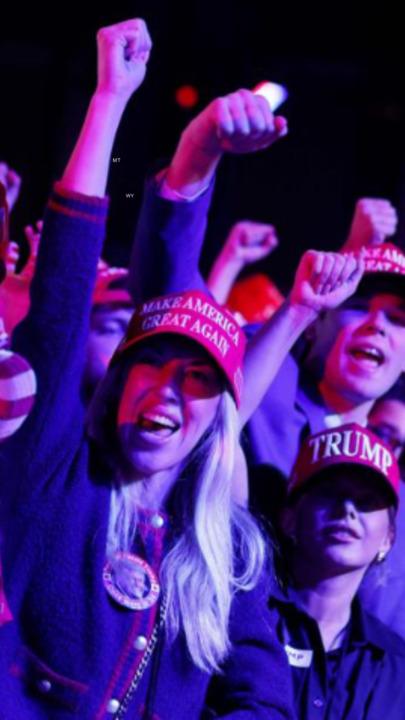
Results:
362 347
342 521
170 398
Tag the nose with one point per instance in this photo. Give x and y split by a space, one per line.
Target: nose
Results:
169 379
344 507
349 507
375 322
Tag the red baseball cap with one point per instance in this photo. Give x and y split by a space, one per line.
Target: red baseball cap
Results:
384 266
256 297
349 444
197 316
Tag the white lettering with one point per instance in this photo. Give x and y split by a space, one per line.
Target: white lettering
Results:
371 453
347 436
333 441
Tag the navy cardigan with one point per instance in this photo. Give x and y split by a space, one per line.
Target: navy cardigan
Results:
71 651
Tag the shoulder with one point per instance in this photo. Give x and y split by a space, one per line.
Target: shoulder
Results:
383 637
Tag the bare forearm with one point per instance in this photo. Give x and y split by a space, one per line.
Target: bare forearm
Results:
267 351
87 169
222 277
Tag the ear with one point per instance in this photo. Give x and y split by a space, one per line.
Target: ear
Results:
386 544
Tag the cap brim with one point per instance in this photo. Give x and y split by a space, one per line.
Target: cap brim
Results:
297 490
146 334
382 282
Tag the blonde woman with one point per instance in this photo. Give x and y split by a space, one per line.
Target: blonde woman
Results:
133 577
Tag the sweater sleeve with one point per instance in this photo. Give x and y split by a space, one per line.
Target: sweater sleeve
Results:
167 247
53 336
256 680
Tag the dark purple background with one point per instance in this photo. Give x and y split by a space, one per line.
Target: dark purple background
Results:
345 73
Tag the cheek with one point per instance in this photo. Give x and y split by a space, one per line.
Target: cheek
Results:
135 388
334 358
201 414
307 522
377 526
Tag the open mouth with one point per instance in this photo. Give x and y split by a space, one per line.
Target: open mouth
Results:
368 356
153 422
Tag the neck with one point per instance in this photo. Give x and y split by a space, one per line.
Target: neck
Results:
350 410
327 599
152 491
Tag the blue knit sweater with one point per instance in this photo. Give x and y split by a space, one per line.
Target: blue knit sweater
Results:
71 651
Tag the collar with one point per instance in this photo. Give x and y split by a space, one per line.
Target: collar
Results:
365 629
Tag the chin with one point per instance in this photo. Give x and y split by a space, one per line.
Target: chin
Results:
359 391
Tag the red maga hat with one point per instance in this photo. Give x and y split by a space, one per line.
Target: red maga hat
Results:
349 444
256 297
384 265
197 316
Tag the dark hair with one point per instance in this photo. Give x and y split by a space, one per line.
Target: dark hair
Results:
101 419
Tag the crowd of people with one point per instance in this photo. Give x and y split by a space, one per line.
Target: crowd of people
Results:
201 479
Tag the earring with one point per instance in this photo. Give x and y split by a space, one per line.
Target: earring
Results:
381 555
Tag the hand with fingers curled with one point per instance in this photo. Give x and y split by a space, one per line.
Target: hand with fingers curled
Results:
249 241
240 122
374 221
123 54
324 280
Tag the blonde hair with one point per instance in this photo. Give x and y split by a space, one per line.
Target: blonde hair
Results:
200 573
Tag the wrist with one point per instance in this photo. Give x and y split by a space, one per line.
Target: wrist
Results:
300 314
108 101
192 167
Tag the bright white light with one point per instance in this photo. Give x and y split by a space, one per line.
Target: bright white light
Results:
275 94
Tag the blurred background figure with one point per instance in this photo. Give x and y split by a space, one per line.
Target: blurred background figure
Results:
110 315
383 592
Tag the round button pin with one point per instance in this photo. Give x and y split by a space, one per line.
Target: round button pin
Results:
131 581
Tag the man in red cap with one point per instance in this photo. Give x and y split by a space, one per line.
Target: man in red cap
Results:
356 352
339 521
110 315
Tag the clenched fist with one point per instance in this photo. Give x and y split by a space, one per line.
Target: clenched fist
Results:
241 122
123 53
324 280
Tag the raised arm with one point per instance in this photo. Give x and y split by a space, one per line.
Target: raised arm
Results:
53 336
173 217
322 282
123 51
247 242
374 221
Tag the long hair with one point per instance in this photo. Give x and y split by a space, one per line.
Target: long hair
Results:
219 549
